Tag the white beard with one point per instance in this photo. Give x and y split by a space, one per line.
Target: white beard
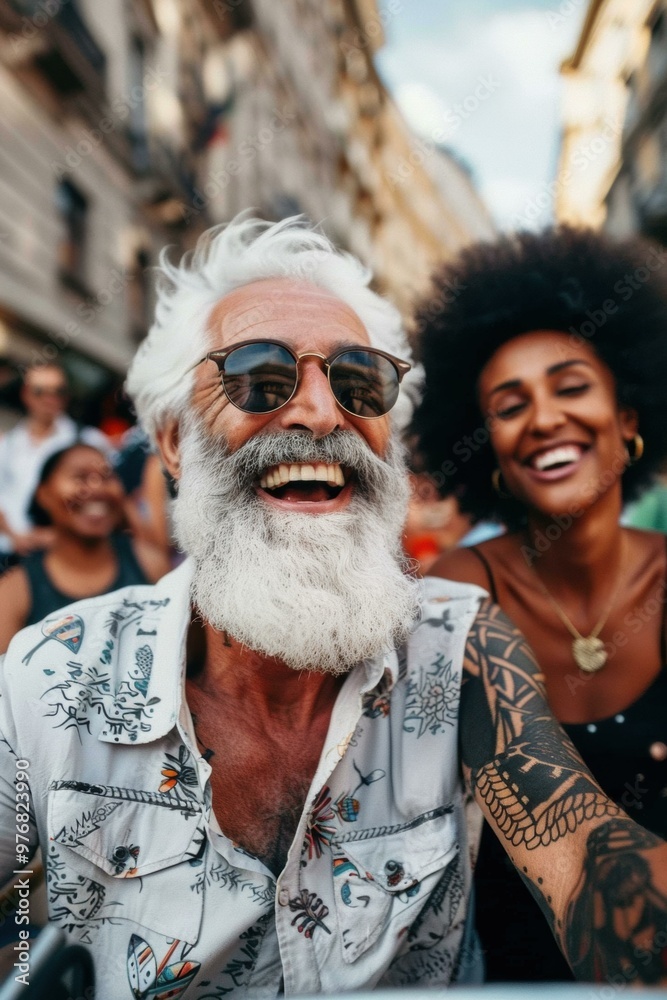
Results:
318 592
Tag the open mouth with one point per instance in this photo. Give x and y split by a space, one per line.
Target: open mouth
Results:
92 508
556 459
301 482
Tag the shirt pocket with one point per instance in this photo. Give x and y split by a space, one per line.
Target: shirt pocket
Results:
112 856
380 879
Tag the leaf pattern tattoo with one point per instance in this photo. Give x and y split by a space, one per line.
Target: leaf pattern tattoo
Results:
530 777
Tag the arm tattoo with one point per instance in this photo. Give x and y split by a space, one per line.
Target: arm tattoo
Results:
616 925
525 769
536 791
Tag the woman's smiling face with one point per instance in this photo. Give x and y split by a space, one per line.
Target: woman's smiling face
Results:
556 428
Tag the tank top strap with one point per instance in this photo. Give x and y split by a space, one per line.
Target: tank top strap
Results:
489 573
44 597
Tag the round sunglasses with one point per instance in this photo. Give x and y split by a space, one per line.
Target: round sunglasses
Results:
259 376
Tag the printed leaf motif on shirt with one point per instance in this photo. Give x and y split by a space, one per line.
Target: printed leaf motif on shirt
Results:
160 982
319 832
177 773
236 973
310 913
127 710
225 875
76 904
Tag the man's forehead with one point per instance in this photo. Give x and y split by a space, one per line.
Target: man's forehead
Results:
274 306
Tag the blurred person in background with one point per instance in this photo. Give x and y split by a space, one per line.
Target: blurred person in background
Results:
545 407
433 526
80 500
650 511
45 429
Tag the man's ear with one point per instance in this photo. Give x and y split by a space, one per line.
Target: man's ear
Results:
168 442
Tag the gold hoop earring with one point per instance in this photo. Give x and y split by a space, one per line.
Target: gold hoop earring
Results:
498 484
637 449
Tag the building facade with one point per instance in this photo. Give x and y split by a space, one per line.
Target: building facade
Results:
637 200
613 169
599 79
132 124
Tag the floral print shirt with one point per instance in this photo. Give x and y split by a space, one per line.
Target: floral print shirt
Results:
376 888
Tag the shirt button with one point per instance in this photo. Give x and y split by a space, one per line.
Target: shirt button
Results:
283 897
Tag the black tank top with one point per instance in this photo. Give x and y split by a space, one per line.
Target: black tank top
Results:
625 754
46 598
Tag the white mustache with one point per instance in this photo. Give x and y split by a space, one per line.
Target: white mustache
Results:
244 466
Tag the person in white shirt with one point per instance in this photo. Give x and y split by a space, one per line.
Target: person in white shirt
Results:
255 776
45 429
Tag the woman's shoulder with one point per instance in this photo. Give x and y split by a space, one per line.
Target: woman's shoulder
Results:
15 600
476 563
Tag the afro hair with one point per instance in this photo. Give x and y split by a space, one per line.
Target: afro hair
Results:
612 295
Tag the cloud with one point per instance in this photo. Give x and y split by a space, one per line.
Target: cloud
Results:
510 138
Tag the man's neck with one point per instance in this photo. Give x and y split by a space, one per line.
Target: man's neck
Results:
278 693
40 429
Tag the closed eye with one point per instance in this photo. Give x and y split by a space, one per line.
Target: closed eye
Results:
505 412
574 390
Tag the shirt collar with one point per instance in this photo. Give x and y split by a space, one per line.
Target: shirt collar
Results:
168 674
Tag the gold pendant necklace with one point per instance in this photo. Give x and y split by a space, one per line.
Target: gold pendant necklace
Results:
587 650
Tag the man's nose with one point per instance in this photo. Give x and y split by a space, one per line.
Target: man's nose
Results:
313 406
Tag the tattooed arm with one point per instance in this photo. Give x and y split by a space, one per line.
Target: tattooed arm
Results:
600 879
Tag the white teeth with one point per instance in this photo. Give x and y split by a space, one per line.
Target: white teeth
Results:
557 456
282 474
95 508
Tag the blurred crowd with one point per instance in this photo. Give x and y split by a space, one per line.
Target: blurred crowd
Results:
83 509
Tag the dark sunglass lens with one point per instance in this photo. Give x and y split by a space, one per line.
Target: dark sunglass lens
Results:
259 377
364 383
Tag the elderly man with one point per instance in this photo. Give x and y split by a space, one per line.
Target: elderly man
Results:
252 776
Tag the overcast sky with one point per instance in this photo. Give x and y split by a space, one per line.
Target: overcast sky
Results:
483 74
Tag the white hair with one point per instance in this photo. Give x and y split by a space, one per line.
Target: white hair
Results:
230 256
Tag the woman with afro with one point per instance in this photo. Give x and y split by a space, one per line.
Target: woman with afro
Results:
545 408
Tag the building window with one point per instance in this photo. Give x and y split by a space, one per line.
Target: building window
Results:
72 208
137 128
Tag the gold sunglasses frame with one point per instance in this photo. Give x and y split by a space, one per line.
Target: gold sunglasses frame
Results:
220 355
